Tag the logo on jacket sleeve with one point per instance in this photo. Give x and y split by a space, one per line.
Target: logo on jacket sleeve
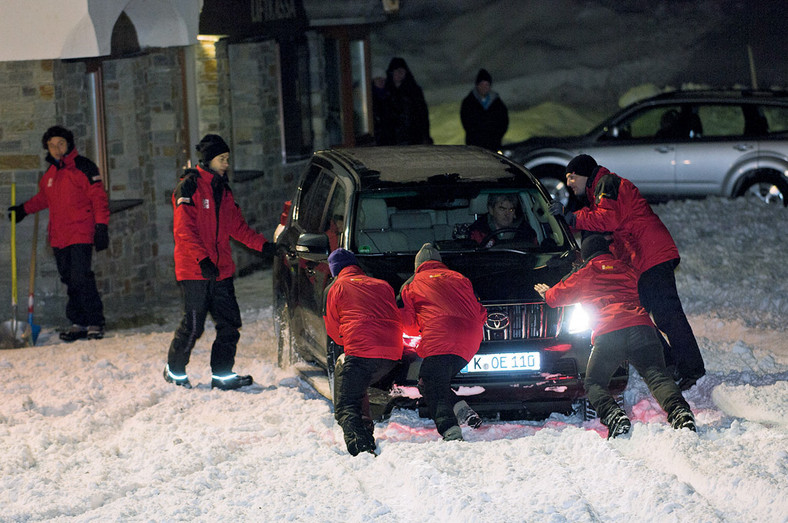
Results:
206 203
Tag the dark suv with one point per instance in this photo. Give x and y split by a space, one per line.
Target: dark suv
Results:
384 203
680 144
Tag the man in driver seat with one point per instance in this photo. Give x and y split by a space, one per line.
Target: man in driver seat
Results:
503 212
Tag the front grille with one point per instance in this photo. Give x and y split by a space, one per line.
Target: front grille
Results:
522 321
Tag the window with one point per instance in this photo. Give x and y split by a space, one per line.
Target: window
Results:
721 120
296 115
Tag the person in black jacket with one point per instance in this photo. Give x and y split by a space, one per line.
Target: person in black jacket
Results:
484 116
403 112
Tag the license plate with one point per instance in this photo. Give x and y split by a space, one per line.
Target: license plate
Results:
512 361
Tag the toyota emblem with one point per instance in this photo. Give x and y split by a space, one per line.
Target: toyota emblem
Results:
497 321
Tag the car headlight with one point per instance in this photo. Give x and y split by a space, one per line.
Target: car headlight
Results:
578 319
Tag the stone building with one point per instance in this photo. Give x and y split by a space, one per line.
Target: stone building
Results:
139 82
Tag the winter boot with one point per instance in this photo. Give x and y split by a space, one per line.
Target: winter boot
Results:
230 382
453 434
74 333
682 418
95 332
181 380
617 423
466 415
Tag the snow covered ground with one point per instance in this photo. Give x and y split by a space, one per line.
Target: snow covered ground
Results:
91 432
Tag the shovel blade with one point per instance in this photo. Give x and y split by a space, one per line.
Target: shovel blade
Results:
15 335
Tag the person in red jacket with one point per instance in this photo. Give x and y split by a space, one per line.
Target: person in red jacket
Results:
205 217
78 206
440 305
622 331
640 238
362 316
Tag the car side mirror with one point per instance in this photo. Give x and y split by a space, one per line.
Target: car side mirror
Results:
313 246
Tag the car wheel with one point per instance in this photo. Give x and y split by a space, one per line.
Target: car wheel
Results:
769 188
557 188
286 354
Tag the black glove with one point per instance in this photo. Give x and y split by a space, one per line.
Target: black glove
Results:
209 269
20 212
570 219
268 251
556 208
101 237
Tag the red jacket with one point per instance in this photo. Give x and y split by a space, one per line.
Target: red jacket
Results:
203 225
608 288
639 236
362 315
72 191
441 304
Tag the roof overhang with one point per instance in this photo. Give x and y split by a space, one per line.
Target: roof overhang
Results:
51 29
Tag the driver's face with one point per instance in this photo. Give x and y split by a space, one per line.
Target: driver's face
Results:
503 214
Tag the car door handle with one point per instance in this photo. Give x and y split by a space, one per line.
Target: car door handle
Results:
664 149
743 147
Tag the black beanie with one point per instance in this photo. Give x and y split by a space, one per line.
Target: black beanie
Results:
62 132
211 146
594 244
397 63
339 259
427 252
582 165
482 76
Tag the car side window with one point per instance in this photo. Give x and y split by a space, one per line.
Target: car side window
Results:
334 219
776 119
314 203
721 120
654 122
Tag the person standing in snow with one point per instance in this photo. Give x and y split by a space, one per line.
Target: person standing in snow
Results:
362 316
623 331
440 305
73 192
205 217
484 116
404 116
640 238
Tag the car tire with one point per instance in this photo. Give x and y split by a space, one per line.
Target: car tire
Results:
286 354
767 187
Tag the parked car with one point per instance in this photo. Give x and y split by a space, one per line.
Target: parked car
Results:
682 144
384 203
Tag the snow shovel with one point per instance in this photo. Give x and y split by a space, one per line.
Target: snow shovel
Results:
35 330
14 333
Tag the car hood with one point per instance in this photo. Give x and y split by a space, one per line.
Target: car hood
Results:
496 276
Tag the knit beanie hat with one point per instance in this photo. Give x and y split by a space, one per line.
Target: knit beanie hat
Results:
582 165
339 259
211 146
397 63
427 252
62 132
483 76
594 244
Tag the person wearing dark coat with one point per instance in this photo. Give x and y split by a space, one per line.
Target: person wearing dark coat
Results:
205 217
441 306
641 239
404 116
484 116
78 205
607 286
362 316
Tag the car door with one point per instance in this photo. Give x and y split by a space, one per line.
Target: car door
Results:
641 147
325 201
704 161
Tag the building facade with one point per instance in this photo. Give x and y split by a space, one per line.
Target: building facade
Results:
277 81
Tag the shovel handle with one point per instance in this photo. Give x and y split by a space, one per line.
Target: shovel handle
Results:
13 246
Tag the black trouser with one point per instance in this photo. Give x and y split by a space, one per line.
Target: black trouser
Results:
199 298
658 295
435 386
641 347
352 382
84 305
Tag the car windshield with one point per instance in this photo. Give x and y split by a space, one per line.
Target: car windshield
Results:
456 219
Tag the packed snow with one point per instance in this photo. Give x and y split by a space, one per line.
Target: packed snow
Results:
90 431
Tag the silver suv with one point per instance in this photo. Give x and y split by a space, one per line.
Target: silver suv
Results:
682 144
